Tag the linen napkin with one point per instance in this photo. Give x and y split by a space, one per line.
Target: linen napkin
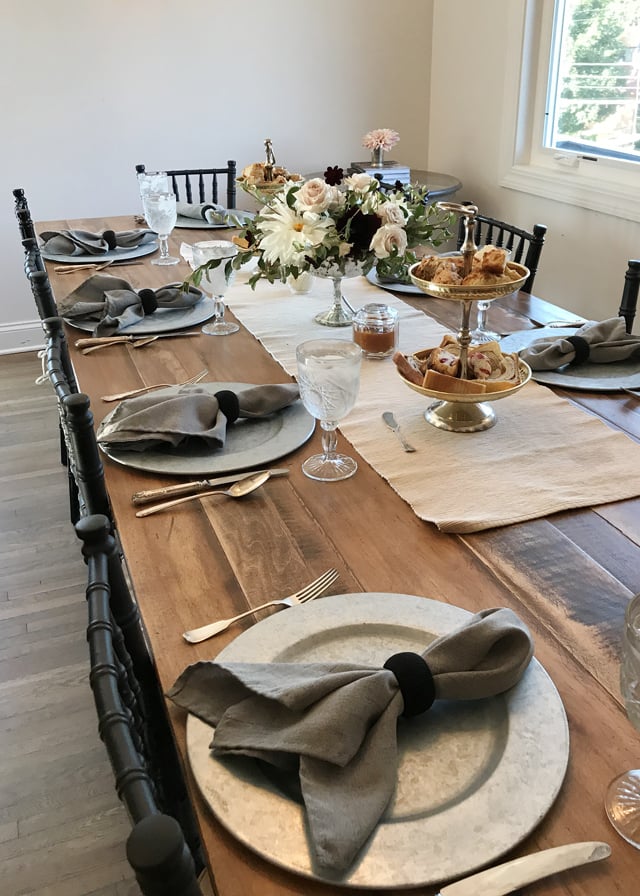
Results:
113 304
83 242
152 420
212 213
335 724
598 342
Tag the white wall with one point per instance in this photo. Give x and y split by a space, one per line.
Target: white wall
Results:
472 87
89 89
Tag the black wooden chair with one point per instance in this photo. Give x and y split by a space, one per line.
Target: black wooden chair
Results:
525 246
87 489
630 293
41 289
201 184
34 266
163 849
25 224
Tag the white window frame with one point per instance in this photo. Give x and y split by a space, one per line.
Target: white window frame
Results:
606 185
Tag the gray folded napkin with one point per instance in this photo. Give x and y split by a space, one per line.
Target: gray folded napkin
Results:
151 421
83 242
212 213
334 724
597 342
113 304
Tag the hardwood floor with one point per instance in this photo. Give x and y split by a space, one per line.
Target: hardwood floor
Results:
62 827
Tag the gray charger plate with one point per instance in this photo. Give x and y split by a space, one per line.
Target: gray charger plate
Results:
409 288
163 320
249 443
196 224
112 255
585 377
474 777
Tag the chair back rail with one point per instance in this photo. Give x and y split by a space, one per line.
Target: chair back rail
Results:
630 293
131 710
525 246
201 184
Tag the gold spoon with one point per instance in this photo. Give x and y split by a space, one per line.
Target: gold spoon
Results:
237 490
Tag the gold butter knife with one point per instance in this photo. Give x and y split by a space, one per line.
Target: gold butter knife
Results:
188 488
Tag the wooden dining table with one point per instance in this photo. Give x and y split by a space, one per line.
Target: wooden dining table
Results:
568 576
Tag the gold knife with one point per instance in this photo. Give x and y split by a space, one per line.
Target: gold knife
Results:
117 340
187 488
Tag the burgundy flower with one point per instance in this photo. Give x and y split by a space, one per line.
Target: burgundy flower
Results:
358 228
333 175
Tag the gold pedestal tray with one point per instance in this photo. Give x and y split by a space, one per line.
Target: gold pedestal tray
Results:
468 412
473 293
460 412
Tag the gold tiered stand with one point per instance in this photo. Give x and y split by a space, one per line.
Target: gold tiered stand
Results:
467 412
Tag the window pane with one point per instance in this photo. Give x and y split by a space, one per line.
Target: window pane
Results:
593 104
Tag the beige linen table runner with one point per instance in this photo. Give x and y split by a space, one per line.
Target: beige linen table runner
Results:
543 455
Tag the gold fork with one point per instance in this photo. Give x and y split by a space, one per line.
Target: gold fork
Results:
309 592
132 392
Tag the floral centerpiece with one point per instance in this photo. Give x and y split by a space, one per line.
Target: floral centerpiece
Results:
337 227
328 226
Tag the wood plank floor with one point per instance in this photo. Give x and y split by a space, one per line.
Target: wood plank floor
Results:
62 827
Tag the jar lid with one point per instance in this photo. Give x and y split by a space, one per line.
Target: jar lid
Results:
375 312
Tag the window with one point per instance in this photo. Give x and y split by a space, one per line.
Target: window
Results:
594 79
575 110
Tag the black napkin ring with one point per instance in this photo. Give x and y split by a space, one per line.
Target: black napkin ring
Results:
149 301
581 348
229 404
415 681
109 237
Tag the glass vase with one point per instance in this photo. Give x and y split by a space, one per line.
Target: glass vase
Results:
341 313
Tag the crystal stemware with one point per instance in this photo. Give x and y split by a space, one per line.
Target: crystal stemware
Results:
161 215
329 379
622 800
215 281
153 182
481 332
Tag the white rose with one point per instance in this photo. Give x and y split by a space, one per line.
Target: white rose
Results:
386 239
359 183
313 196
391 213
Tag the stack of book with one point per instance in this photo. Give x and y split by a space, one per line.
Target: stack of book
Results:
389 171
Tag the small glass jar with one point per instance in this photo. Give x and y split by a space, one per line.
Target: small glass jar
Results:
375 330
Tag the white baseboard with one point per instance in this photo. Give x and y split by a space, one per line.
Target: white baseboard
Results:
21 336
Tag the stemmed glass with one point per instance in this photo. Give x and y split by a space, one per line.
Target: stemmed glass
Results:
215 281
153 182
329 378
161 215
622 801
481 333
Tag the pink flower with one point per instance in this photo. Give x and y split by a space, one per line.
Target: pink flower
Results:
381 138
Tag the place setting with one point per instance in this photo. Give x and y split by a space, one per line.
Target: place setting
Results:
206 428
109 308
374 694
598 356
83 247
210 216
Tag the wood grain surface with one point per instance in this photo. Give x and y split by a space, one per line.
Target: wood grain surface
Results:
568 576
